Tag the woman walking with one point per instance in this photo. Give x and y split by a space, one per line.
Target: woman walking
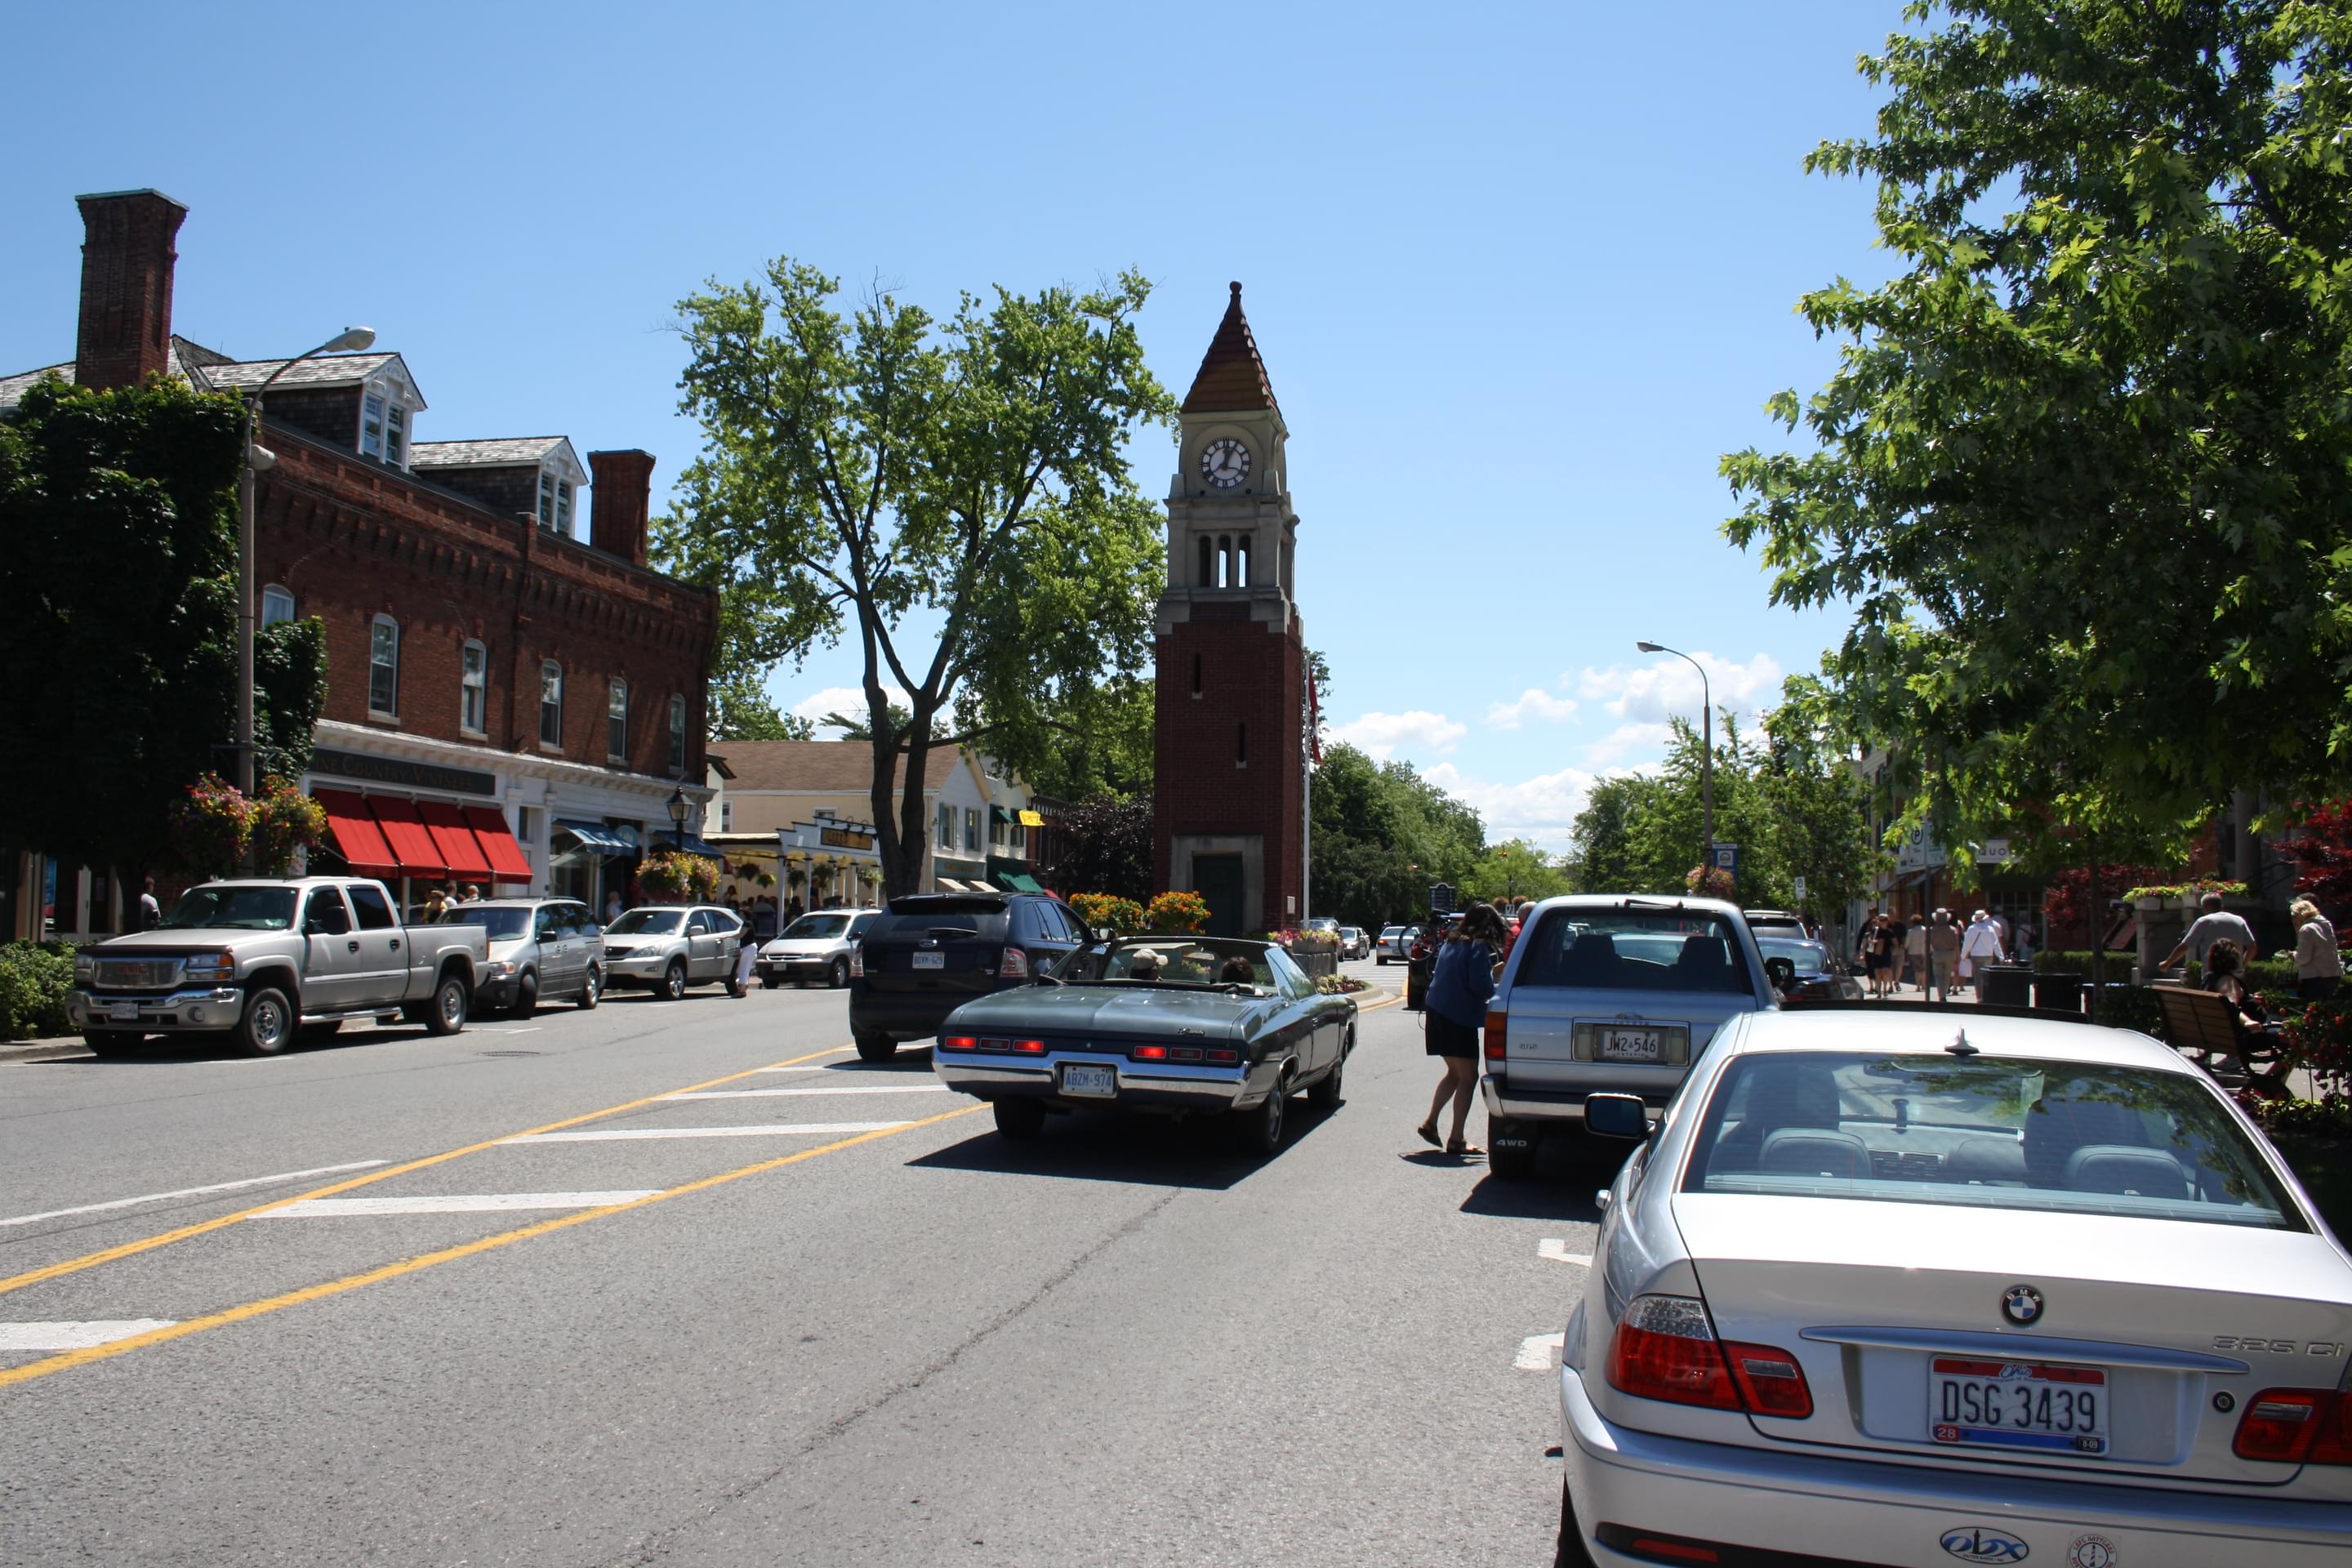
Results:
1460 981
1877 955
2319 966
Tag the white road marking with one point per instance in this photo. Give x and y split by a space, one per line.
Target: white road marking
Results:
790 1070
773 1093
1539 1352
770 1130
193 1192
478 1203
526 1029
1557 1250
84 1335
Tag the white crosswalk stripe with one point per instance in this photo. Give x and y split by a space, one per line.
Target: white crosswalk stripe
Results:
80 1335
1557 1250
1539 1352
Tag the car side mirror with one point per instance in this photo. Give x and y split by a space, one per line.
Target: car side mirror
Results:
1782 972
1616 1116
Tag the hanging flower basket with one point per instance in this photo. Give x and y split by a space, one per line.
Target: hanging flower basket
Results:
672 875
284 822
1709 882
211 828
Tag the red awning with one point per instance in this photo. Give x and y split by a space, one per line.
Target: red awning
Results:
356 834
411 840
508 862
456 841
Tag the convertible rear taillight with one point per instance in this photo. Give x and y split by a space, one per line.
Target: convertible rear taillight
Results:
2296 1427
1665 1348
1498 1027
1016 965
1150 1053
976 1043
1221 1059
1029 1047
959 1043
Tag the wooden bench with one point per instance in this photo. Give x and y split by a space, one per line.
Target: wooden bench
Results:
2206 1023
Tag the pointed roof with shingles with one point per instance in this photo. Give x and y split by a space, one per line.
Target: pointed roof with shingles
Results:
1232 378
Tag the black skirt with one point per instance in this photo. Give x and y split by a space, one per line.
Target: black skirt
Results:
1442 1037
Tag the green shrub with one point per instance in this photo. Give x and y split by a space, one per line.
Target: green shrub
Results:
2130 1007
34 980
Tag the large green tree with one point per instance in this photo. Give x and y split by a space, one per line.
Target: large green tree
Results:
951 495
2084 473
1381 835
118 620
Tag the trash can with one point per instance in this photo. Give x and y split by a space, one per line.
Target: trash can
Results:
2063 992
2007 985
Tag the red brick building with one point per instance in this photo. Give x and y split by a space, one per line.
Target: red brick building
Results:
489 670
1229 800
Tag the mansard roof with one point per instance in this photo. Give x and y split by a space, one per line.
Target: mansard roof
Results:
1232 378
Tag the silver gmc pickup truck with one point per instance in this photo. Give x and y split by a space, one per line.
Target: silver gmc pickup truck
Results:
266 961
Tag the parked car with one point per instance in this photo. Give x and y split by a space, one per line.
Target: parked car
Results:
1608 994
1162 1024
664 948
542 949
263 960
1901 1287
1812 975
1774 922
815 947
1395 944
1354 944
931 952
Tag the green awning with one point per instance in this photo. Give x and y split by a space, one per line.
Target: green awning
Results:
998 814
1019 883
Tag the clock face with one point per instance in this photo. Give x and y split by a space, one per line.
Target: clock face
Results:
1224 463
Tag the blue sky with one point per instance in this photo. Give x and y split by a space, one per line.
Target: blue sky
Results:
1520 274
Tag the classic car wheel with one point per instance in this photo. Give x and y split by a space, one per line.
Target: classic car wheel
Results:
1509 1161
526 1002
1020 1119
446 1013
839 977
1260 1128
1326 1094
1571 1552
108 1044
591 990
876 1047
268 1026
673 981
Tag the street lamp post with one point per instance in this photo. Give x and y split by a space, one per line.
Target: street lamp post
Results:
258 457
678 808
1707 747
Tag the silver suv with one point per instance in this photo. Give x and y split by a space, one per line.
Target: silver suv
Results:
815 947
542 949
664 948
1608 994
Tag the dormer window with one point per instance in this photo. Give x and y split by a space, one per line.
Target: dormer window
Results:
383 424
554 502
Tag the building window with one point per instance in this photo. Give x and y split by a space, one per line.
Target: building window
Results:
383 426
383 667
616 721
678 734
564 508
277 604
1019 837
971 829
473 688
395 436
1196 675
1241 562
726 817
1241 745
554 502
550 703
1208 578
995 833
947 827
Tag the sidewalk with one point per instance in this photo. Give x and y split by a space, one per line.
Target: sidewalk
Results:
41 1050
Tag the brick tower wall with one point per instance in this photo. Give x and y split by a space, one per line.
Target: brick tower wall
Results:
1249 675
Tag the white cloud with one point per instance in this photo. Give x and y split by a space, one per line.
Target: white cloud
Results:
1533 703
847 701
1649 693
1381 735
1541 809
1624 740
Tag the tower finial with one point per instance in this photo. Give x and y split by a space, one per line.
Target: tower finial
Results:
1237 290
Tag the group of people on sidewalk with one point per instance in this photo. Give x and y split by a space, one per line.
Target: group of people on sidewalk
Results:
1934 952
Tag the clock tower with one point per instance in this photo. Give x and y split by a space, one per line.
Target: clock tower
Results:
1230 797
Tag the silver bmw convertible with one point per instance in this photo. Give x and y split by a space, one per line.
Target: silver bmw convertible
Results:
1926 1287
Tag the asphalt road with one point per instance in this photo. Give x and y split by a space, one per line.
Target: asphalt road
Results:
818 1314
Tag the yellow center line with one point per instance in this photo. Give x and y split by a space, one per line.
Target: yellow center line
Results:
268 1304
149 1244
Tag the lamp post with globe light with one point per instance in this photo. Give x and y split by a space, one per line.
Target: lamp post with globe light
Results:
1706 749
679 809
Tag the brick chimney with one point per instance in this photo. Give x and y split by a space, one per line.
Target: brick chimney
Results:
126 285
623 500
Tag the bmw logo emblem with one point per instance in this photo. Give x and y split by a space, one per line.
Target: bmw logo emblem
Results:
2021 1305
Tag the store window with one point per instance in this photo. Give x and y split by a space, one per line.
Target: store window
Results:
383 667
473 688
616 721
277 604
550 704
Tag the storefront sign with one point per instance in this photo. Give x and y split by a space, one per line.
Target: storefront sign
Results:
398 771
1993 852
843 839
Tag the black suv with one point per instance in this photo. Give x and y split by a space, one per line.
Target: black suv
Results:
929 953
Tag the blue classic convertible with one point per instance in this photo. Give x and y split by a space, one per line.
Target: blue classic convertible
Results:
1172 1025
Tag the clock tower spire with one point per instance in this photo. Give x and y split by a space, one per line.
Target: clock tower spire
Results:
1230 796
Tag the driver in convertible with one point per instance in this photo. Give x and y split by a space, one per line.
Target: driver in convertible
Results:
1145 966
1238 971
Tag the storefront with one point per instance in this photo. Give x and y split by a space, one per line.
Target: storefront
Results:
831 864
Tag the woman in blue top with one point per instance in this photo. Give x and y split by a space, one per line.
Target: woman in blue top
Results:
1460 981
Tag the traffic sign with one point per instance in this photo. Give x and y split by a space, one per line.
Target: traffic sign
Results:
1726 857
1800 890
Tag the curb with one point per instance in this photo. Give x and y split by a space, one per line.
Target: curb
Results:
48 1050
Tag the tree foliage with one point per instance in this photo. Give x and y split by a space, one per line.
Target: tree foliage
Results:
118 620
1102 846
1381 835
2082 474
952 495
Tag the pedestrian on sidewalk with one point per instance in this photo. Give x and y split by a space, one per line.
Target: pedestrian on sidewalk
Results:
1981 946
1461 981
1943 953
1877 955
746 956
436 902
150 914
1915 953
2318 965
2214 925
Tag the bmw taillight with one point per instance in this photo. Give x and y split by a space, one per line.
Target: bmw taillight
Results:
1016 965
857 962
1665 1348
2296 1427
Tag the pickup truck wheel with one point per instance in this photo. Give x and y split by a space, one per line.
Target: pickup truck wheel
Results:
838 975
1511 1149
526 1000
1260 1128
1019 1119
1327 1093
446 1013
591 990
268 1026
109 1045
673 981
879 1048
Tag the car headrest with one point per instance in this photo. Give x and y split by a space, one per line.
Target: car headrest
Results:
1591 962
2126 1171
1986 1158
1814 1152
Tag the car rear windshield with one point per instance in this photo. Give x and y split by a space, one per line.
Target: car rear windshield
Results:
1983 1132
232 909
817 925
647 922
1810 957
946 918
1634 950
498 924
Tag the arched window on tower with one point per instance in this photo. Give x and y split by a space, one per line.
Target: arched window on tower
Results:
1224 560
1208 579
1242 563
1241 745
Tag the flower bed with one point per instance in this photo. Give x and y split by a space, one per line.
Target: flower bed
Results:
1340 985
1108 909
